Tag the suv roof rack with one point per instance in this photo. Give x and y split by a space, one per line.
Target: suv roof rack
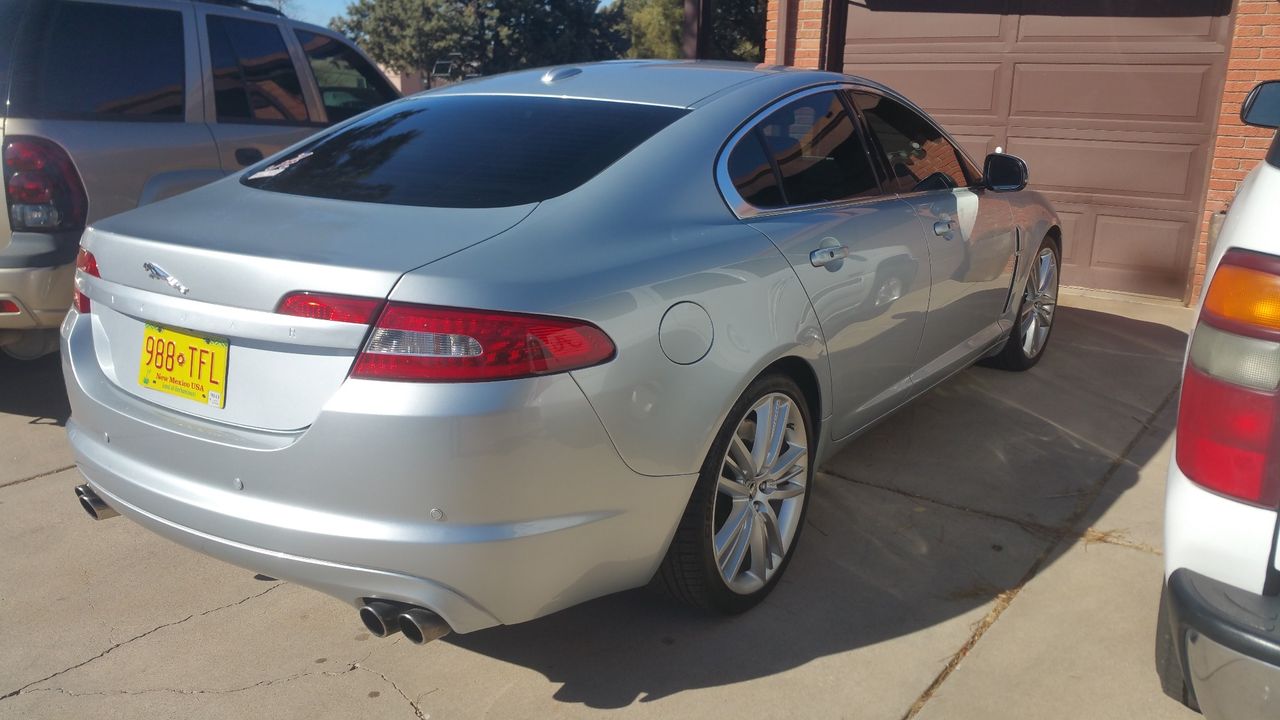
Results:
246 5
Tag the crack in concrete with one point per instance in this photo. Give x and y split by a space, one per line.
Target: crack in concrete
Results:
116 646
196 691
1002 602
37 476
416 710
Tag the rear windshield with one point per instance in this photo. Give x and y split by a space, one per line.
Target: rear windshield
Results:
10 15
466 151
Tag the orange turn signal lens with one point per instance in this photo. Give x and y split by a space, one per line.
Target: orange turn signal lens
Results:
1244 295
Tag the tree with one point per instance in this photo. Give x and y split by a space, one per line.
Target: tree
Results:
654 28
737 30
490 35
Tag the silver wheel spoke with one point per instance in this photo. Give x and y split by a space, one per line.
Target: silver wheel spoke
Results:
732 488
1039 303
733 550
786 463
761 563
772 532
788 490
740 457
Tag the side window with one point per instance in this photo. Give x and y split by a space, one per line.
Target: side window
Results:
84 61
253 75
753 174
919 157
815 146
348 84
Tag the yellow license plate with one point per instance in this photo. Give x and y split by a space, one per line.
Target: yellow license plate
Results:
185 365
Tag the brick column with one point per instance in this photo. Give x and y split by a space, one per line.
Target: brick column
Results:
805 32
1255 56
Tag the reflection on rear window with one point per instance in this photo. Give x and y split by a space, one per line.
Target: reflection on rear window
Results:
466 151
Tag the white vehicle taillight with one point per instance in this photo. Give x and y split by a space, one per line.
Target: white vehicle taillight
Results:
1228 434
433 344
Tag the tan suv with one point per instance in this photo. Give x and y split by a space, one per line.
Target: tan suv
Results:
111 104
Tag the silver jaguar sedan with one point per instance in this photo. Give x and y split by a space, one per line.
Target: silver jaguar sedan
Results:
491 351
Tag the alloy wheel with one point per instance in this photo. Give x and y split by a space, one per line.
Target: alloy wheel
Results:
1039 302
760 493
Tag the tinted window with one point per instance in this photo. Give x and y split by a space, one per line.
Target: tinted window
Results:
10 16
753 174
919 156
348 84
83 60
253 75
467 151
817 151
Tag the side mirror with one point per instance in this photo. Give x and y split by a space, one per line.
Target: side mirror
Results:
1262 107
1004 173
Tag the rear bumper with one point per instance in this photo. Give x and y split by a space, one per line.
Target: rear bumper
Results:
42 295
1229 645
489 503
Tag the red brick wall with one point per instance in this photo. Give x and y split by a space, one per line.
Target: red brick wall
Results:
1255 56
806 22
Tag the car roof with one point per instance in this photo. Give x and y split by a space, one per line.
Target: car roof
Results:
674 83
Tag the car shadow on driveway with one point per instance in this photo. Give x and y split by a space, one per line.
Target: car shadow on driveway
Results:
915 532
33 389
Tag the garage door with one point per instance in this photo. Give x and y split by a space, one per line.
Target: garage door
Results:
1111 102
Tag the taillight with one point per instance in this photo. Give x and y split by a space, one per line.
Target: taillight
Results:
87 264
1229 415
338 308
42 187
434 344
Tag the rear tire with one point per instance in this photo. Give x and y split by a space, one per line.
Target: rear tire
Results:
742 524
1036 311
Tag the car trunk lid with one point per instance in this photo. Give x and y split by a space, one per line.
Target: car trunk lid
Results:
214 265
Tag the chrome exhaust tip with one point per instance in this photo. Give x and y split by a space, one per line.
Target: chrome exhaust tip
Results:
381 617
422 626
92 504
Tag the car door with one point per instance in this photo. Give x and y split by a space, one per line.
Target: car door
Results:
803 176
968 230
256 103
346 81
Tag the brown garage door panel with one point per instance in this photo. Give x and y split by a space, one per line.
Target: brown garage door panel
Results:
1127 92
1121 171
869 26
1069 221
969 89
1133 243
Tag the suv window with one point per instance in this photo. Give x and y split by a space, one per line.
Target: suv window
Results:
919 157
815 146
253 76
466 151
348 84
85 61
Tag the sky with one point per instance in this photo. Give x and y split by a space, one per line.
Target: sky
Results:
317 11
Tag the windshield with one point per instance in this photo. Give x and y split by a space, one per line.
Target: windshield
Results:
466 151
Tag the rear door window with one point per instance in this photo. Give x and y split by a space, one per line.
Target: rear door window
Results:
753 175
254 79
348 84
466 151
815 145
80 60
919 157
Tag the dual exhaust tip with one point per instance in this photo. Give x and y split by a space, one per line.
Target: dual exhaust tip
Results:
384 618
92 504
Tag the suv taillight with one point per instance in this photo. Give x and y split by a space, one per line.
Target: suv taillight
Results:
1228 429
87 264
421 343
42 187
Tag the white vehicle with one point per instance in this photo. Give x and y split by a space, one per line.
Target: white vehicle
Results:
1218 641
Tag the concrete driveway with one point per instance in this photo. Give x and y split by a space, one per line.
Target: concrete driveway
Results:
993 551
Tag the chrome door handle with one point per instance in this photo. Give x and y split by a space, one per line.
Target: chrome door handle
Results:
825 255
943 227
